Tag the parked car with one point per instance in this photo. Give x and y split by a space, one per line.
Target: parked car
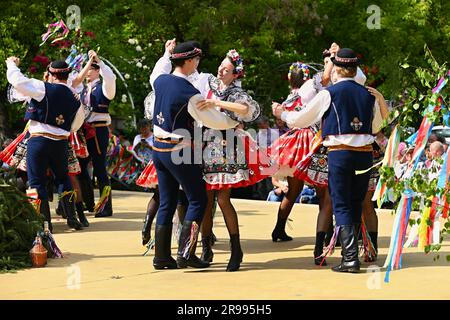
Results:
442 131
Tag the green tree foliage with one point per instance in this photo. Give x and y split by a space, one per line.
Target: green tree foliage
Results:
269 34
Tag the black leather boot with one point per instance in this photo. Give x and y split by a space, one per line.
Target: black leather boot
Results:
236 253
279 232
68 206
87 193
349 244
146 230
59 210
45 212
107 210
318 249
189 260
163 258
80 212
207 253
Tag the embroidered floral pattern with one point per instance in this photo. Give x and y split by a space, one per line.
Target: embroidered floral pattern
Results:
233 93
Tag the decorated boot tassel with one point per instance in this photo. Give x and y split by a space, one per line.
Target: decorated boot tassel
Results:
103 199
328 251
192 242
368 249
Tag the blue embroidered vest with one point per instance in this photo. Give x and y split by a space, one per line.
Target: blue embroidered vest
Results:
58 107
350 111
99 103
172 95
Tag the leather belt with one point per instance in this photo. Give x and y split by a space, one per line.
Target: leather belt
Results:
169 140
98 124
49 135
340 147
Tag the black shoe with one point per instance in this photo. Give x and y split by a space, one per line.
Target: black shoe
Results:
59 211
146 230
318 249
68 206
45 212
319 261
193 261
207 253
107 210
87 193
189 259
163 258
236 253
279 233
80 212
349 242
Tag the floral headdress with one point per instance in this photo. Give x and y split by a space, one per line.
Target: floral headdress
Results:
237 62
298 65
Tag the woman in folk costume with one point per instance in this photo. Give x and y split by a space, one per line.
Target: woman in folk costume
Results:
297 151
220 172
179 109
225 94
340 107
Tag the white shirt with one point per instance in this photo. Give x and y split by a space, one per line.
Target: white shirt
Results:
209 117
109 91
138 139
314 111
35 89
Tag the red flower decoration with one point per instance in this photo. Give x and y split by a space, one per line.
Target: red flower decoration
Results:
90 34
33 69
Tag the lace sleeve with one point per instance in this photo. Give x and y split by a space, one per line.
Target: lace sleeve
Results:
244 98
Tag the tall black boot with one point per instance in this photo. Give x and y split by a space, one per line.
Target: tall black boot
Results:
80 211
87 193
45 212
236 253
146 230
318 249
207 253
59 210
107 210
163 258
279 232
68 206
349 244
189 260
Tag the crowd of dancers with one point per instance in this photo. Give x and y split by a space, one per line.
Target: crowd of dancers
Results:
200 151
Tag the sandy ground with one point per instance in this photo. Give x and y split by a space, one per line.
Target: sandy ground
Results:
105 261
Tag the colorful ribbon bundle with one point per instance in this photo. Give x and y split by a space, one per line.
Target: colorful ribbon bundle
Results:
380 194
57 29
76 59
429 227
394 257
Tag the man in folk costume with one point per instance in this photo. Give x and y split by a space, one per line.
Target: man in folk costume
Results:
350 115
97 96
174 113
54 111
